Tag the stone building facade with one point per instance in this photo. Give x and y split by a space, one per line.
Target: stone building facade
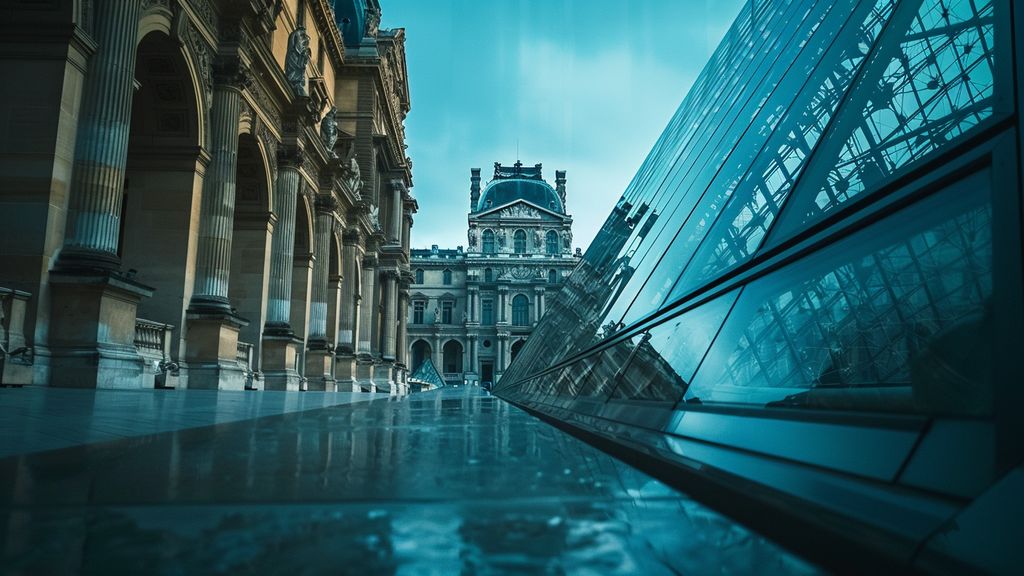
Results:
204 194
471 310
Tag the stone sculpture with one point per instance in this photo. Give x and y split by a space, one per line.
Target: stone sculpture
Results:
297 59
329 130
353 176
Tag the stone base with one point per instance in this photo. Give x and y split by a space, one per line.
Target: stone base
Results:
319 376
345 372
92 331
365 374
280 358
383 379
212 352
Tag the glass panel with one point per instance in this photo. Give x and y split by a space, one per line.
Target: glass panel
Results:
933 85
662 361
897 317
718 237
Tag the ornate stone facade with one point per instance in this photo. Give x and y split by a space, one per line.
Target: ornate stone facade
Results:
185 219
471 310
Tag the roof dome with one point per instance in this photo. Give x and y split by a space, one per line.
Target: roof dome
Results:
519 183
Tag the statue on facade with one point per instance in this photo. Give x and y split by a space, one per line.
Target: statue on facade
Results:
538 238
372 23
297 59
352 174
567 239
329 130
473 237
579 252
500 237
375 217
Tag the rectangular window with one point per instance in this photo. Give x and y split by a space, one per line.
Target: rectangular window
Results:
487 312
446 312
417 311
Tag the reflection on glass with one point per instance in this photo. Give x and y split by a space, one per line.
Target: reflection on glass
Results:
931 87
895 317
662 360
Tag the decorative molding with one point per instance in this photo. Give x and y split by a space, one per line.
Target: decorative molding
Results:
520 211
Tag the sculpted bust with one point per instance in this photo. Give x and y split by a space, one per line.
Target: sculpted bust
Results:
297 59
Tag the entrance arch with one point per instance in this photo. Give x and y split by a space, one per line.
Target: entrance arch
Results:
163 182
451 355
420 353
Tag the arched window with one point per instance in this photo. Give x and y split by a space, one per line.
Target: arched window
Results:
488 242
452 357
552 277
488 275
520 310
519 242
551 240
419 276
420 353
447 278
516 347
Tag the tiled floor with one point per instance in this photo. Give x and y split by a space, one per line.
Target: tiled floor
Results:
443 482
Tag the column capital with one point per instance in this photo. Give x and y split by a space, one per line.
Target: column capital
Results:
231 71
326 203
290 156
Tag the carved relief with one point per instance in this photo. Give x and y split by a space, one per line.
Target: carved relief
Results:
329 131
372 23
520 211
201 60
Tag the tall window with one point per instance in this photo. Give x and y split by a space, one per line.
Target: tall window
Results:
487 312
488 275
552 277
520 310
452 357
446 311
418 307
519 242
447 275
551 240
488 242
419 276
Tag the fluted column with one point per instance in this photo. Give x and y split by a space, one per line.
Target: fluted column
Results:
321 256
101 147
395 224
390 326
217 215
366 305
402 313
282 246
348 312
502 301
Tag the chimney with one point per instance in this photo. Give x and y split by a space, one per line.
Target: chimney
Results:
560 185
474 188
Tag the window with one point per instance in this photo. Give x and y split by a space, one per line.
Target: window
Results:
446 311
487 312
447 278
552 242
452 357
419 276
488 275
519 241
418 307
520 310
488 242
552 277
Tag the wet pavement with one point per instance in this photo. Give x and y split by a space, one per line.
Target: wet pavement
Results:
447 482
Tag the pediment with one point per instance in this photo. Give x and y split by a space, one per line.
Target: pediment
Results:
520 210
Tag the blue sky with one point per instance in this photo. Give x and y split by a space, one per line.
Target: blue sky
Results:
582 85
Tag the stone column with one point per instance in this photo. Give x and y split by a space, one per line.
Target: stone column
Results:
318 355
502 301
474 304
93 308
473 353
502 354
390 323
348 314
212 327
101 145
396 226
280 345
367 310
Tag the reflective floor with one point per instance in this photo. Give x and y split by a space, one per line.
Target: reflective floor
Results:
445 482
